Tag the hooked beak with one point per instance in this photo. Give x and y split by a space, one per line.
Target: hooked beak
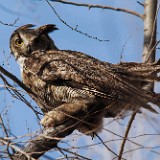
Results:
29 50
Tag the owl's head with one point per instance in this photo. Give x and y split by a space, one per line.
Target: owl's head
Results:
25 40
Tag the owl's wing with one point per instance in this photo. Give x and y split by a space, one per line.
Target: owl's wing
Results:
74 69
82 71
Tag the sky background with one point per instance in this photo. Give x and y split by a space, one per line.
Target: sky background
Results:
125 35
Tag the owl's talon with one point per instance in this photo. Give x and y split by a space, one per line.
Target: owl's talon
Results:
47 121
52 118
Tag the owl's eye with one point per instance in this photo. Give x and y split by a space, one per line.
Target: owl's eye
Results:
19 42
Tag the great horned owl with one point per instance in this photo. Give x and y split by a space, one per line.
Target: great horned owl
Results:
71 82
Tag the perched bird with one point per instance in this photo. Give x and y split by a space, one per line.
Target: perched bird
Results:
70 82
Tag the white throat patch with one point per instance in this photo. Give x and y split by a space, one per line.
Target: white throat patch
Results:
20 61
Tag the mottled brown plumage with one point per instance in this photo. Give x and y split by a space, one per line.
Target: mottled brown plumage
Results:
69 82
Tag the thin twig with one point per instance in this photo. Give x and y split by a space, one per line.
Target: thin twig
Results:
6 133
105 144
11 24
16 148
126 134
152 49
140 3
74 153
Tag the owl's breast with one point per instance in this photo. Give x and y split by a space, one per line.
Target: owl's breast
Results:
42 90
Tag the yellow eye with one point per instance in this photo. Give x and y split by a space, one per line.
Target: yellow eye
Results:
19 42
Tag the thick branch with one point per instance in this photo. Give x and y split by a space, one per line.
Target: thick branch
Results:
47 140
50 137
150 23
100 7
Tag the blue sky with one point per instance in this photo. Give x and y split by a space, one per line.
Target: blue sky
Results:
125 35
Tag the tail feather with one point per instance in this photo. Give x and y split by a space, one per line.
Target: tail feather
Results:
138 71
150 108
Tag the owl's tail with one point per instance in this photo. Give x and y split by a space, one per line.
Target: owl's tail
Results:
140 74
144 72
147 99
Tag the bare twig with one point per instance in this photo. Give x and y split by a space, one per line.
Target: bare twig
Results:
66 150
123 47
5 142
100 7
140 3
6 133
142 147
11 24
126 134
106 145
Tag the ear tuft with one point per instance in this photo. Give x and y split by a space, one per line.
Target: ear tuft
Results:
47 28
26 26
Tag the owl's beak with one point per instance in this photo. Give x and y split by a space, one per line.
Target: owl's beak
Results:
29 50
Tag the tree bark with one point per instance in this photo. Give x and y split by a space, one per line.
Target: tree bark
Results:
150 23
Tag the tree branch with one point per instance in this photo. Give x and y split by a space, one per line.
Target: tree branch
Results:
48 139
100 7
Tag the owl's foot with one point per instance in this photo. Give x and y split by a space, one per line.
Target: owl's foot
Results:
62 113
53 118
